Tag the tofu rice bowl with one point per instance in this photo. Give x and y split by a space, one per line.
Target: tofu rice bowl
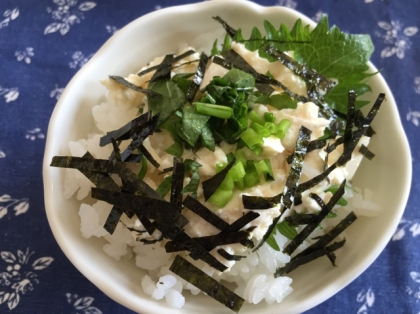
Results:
222 171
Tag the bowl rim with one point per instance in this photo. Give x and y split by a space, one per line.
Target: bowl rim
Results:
59 108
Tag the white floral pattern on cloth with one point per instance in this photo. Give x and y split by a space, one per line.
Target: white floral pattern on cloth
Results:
2 154
417 84
9 15
25 55
56 92
413 116
20 206
66 14
82 305
34 134
318 15
111 29
367 298
79 59
158 7
396 38
413 226
415 276
9 94
19 276
287 3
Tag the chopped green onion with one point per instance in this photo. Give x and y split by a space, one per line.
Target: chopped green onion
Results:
269 176
255 117
143 170
284 126
221 197
217 111
257 150
272 127
237 172
227 183
251 179
240 184
261 167
230 157
269 117
251 138
240 156
220 166
264 132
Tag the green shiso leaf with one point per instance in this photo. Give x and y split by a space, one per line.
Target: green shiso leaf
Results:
192 125
182 81
240 79
205 283
191 170
172 99
207 138
286 229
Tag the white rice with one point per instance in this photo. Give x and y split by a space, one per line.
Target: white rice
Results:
253 275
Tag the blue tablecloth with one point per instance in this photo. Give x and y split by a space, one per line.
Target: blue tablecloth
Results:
44 43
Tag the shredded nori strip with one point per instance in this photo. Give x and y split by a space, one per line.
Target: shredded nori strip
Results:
315 80
132 183
211 242
176 59
302 219
148 156
228 256
230 30
134 158
313 145
304 259
116 150
325 209
163 71
210 186
346 156
358 121
166 170
348 131
177 182
328 237
205 283
315 180
197 78
205 213
334 145
136 88
150 241
123 133
292 181
366 152
259 202
161 211
242 222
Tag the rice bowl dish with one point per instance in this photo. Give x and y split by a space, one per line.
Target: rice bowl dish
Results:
122 106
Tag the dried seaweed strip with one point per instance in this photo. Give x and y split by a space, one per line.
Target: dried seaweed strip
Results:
133 184
161 211
346 156
229 257
148 156
296 168
177 182
205 283
290 188
176 59
366 152
358 121
242 222
197 78
304 259
136 88
116 150
303 219
163 71
148 225
123 133
113 219
328 237
205 213
348 131
321 83
211 242
259 202
316 180
316 144
166 170
334 145
134 158
222 62
325 209
211 185
230 30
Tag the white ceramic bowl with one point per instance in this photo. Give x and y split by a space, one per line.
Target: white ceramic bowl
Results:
158 33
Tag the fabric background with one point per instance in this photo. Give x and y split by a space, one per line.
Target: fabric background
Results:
44 43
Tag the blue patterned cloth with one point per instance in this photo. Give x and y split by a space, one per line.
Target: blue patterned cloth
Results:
44 43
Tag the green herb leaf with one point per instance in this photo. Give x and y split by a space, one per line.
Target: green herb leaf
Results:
192 125
226 44
286 229
191 169
165 186
172 99
271 241
182 80
282 101
241 79
214 51
207 138
255 41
